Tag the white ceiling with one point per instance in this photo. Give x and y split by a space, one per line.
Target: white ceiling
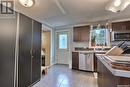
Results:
58 13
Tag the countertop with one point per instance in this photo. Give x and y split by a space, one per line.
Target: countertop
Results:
108 60
91 51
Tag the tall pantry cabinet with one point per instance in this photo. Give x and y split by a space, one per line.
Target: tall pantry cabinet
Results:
8 30
20 51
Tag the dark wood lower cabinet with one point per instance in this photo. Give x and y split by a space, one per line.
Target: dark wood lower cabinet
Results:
107 79
75 60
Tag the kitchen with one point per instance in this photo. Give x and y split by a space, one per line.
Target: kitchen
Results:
86 57
87 43
110 64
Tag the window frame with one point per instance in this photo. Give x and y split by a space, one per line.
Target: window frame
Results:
62 33
108 45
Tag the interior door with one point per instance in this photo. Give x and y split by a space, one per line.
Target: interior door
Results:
63 53
36 51
25 40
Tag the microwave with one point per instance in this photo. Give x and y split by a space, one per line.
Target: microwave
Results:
121 36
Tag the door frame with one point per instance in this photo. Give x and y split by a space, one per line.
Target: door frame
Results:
49 59
69 47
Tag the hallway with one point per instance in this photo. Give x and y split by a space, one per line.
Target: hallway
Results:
62 76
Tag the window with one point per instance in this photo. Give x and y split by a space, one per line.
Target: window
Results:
63 43
99 37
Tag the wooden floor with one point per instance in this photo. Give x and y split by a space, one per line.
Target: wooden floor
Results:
62 76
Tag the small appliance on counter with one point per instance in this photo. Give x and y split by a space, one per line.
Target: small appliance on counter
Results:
119 49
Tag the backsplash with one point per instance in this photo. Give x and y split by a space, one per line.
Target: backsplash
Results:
80 45
85 45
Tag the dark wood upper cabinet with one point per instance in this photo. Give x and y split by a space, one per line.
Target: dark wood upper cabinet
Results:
128 25
75 60
121 26
76 34
81 33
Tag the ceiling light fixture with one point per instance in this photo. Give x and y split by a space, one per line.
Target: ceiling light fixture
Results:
27 3
117 5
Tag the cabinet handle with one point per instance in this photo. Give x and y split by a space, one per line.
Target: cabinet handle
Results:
30 52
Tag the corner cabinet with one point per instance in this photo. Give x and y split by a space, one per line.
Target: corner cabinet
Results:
81 33
20 51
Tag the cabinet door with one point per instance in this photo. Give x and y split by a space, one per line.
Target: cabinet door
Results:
121 26
85 33
81 33
108 79
25 39
99 71
75 60
95 62
36 51
7 51
117 26
105 77
76 34
128 25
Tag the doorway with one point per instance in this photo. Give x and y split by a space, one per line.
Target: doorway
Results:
62 47
46 52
